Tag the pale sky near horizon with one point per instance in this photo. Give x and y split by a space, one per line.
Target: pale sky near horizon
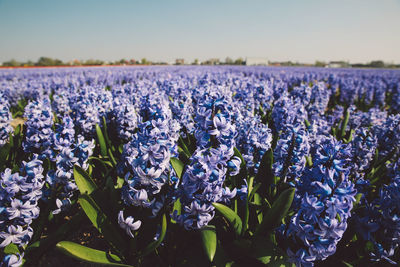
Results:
304 31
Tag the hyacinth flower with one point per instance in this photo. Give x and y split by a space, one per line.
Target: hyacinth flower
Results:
287 111
69 152
379 222
12 260
19 196
61 103
319 100
146 159
39 128
5 119
203 181
253 140
86 110
126 118
323 195
363 147
128 224
388 137
290 153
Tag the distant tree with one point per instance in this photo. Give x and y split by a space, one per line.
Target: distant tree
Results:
195 62
377 64
320 63
144 61
93 62
228 61
11 63
46 61
239 61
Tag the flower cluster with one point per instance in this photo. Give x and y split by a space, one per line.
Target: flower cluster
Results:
379 222
69 152
288 111
5 119
126 118
39 128
253 140
146 158
290 153
19 196
363 150
324 199
203 180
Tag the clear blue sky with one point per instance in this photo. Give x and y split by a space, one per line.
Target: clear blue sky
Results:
305 31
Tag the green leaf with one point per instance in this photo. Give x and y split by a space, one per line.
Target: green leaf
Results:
83 180
102 142
183 146
177 208
153 245
11 249
34 251
178 166
4 153
106 132
277 212
231 216
265 174
88 254
114 162
101 222
307 123
267 253
347 264
120 182
344 124
258 201
209 239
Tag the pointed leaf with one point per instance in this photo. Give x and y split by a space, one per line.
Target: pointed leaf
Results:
231 216
35 251
277 212
102 141
267 253
101 222
178 166
265 174
106 132
88 254
177 209
11 249
209 239
83 180
345 121
153 245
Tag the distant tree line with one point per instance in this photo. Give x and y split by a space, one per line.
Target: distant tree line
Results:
47 61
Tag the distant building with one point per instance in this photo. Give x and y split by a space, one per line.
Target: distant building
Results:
179 61
256 61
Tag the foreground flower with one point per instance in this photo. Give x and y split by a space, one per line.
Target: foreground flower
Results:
128 224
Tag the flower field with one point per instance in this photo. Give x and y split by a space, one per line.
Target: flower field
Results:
200 166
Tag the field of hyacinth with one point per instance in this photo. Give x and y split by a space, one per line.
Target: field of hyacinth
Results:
199 166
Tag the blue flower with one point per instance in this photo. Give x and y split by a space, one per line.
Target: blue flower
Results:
5 119
13 260
128 224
